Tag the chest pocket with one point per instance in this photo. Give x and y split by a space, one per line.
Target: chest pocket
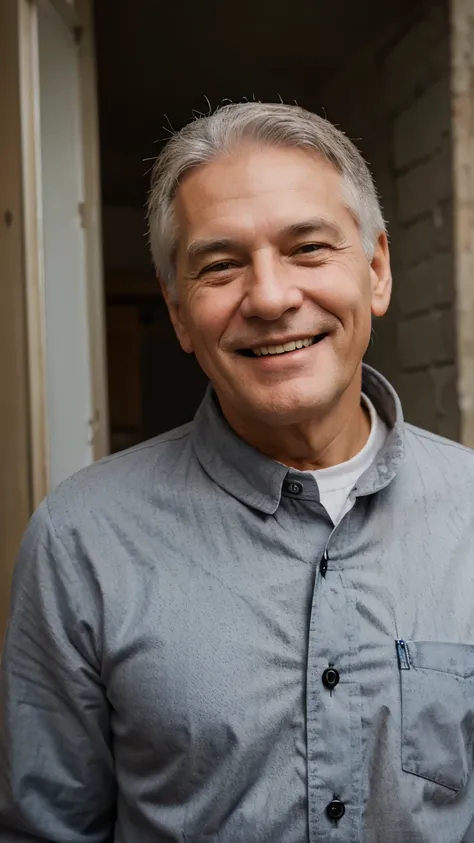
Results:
437 691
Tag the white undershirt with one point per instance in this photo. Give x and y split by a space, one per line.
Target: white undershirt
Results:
336 483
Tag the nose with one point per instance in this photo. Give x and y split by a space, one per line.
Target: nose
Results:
271 290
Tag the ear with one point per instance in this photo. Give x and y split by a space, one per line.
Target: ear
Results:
381 277
176 316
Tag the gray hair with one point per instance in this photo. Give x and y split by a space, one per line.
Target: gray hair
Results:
206 138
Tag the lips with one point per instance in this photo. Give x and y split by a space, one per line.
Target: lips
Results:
285 347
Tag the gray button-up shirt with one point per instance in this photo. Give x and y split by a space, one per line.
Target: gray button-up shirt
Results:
174 610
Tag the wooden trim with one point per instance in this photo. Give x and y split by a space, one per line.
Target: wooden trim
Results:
15 492
33 248
93 230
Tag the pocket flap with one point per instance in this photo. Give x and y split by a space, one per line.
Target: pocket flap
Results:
445 657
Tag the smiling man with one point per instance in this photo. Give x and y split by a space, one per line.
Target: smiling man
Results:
258 628
275 296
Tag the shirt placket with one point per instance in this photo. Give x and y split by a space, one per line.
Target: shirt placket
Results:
333 707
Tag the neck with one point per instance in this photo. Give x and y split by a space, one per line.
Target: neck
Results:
320 442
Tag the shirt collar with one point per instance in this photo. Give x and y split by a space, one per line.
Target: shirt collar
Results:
258 480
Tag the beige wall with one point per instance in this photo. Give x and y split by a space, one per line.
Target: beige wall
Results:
14 450
462 81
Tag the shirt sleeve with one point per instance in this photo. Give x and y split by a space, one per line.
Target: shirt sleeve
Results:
56 767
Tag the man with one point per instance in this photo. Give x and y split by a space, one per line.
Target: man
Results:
258 628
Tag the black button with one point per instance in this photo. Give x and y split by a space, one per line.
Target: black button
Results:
330 678
336 809
294 488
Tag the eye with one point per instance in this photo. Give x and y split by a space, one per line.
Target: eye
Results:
309 248
220 266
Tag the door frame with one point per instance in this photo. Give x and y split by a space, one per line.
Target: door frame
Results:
15 479
77 16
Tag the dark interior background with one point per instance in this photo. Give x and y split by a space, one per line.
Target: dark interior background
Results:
157 65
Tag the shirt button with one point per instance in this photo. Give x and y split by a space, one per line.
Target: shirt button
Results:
336 809
294 488
330 678
323 566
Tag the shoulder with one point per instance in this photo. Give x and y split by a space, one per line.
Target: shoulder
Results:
127 479
450 461
432 443
96 527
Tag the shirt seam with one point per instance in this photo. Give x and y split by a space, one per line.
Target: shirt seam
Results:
434 437
143 447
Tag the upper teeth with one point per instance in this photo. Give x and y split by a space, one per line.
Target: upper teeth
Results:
280 349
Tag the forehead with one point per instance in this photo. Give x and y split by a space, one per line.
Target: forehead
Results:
258 187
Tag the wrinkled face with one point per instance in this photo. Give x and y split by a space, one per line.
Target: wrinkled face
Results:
274 291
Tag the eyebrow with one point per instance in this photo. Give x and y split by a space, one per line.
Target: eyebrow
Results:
203 248
315 225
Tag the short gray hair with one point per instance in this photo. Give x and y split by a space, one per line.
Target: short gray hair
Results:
207 138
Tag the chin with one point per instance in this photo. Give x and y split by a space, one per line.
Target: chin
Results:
282 409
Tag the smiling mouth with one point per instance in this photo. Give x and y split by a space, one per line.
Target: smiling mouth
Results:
284 348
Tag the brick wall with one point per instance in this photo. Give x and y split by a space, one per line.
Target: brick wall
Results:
394 101
417 73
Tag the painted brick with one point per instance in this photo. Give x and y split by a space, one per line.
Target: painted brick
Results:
443 336
432 233
414 289
430 401
418 59
425 186
415 342
416 241
443 222
447 402
419 130
417 395
427 339
446 391
443 278
426 285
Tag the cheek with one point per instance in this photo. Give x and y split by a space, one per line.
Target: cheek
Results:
341 287
348 303
206 320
